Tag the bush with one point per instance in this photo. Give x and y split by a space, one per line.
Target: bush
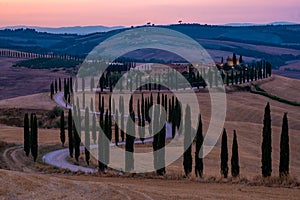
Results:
55 112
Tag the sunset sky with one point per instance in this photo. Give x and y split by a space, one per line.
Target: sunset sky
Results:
56 13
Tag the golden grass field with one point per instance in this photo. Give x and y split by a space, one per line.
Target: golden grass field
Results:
244 114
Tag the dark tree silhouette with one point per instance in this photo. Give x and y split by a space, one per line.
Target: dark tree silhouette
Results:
234 59
87 137
198 154
51 90
26 135
62 128
187 156
224 155
235 167
70 133
266 147
117 128
94 131
34 139
284 148
129 145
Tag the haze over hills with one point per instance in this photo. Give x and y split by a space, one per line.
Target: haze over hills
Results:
255 24
80 30
84 30
277 43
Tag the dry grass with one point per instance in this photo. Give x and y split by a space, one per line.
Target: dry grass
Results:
244 114
283 87
25 186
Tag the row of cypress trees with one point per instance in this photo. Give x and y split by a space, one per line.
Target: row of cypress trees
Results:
31 135
266 146
56 86
173 111
235 168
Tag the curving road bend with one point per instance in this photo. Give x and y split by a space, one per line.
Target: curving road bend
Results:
59 158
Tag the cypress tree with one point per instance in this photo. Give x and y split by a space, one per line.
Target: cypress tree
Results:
199 143
101 151
26 135
266 147
83 84
121 107
70 133
187 156
71 85
117 128
51 90
234 59
241 59
235 167
140 122
34 139
76 85
87 137
59 84
62 128
107 128
224 155
129 145
92 84
94 134
83 100
92 105
284 148
77 141
161 145
155 122
143 106
55 86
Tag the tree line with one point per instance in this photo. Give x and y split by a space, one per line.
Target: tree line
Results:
103 135
31 135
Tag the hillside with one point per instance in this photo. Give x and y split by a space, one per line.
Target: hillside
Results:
278 44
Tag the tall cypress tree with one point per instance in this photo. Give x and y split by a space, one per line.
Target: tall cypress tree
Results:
155 142
107 128
26 135
117 128
235 167
129 145
51 90
62 128
94 131
199 143
187 156
224 155
87 137
284 148
92 105
77 141
140 122
59 84
266 147
70 133
234 59
55 86
34 139
121 107
161 145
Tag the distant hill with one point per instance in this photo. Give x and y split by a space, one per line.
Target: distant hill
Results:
80 30
276 43
254 24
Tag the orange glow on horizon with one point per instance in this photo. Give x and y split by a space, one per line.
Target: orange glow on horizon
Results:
56 13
